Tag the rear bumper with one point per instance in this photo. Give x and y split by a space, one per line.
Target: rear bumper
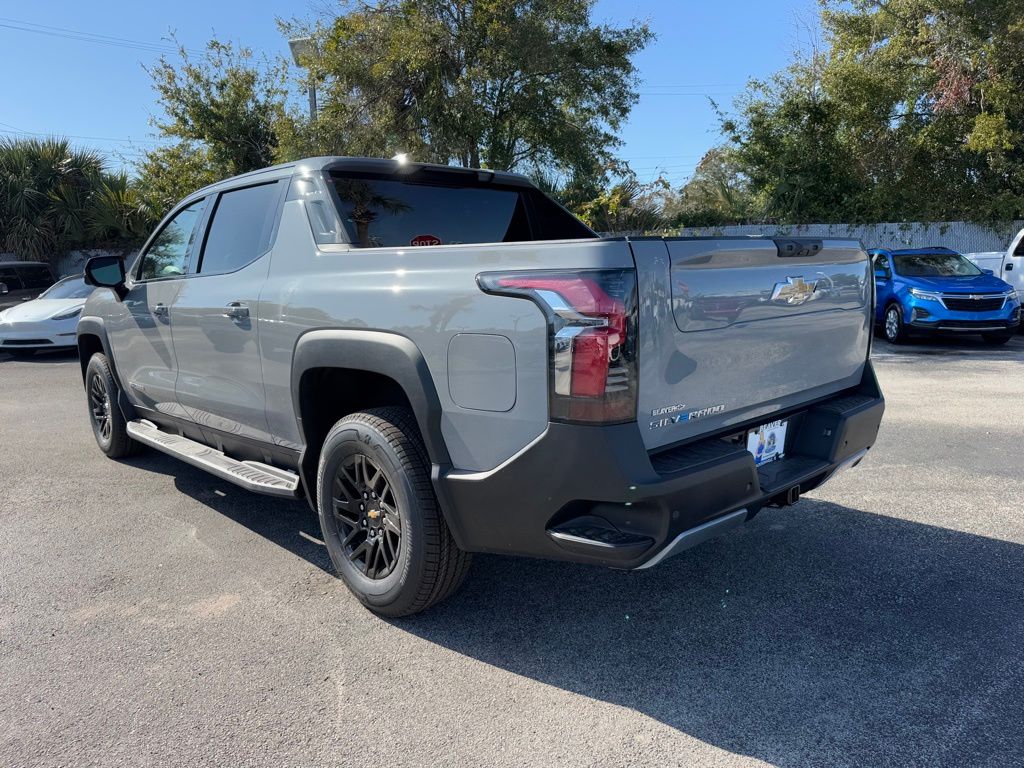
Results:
595 495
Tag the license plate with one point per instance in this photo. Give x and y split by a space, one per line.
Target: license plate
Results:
767 442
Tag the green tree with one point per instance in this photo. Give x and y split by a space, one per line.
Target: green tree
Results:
718 193
54 198
503 84
911 112
628 206
226 102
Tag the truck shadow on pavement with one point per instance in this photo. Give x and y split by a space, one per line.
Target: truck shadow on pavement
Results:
816 635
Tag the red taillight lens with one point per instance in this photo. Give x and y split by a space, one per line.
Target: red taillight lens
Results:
592 321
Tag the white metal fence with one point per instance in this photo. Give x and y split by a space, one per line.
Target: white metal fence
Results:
962 236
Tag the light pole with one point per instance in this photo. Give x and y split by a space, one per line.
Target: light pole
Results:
302 49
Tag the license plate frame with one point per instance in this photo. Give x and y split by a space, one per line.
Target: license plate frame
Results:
767 443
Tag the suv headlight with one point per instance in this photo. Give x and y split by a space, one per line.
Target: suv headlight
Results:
917 293
68 315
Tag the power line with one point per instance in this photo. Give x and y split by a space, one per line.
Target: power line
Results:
89 37
14 130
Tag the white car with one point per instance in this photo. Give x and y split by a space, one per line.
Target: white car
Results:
48 322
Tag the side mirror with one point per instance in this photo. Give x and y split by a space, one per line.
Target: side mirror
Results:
880 274
4 290
988 272
106 272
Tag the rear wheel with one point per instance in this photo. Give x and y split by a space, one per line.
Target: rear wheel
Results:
895 331
384 532
996 339
108 423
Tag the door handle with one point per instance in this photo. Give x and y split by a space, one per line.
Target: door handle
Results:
1008 267
160 310
236 310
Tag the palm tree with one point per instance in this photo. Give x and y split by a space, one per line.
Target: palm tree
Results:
54 198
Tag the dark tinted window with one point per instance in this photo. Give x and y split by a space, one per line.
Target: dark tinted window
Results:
934 265
35 277
240 232
388 213
168 255
10 278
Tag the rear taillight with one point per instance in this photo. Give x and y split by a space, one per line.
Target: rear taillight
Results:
592 331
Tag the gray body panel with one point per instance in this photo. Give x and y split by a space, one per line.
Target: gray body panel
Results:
487 355
429 295
714 343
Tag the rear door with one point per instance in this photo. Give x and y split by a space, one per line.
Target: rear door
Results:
733 330
220 382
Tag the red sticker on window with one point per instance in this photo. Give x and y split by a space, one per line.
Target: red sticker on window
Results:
425 240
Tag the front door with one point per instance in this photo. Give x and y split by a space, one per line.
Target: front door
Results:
140 332
220 379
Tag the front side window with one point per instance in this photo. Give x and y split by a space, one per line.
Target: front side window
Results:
241 228
882 263
168 255
934 265
383 212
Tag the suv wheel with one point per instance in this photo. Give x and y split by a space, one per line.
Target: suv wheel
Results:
380 519
108 423
895 332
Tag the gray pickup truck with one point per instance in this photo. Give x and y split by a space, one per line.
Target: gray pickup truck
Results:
445 361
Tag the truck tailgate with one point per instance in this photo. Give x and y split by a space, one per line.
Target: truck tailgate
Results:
733 330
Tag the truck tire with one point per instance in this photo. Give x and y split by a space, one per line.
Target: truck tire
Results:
381 523
997 339
108 423
892 325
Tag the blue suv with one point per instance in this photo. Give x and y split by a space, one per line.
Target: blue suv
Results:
929 290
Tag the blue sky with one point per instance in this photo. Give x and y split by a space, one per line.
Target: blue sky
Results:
98 93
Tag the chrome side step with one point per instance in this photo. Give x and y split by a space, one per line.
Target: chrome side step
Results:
251 475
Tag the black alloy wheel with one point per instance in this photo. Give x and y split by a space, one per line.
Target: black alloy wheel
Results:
368 517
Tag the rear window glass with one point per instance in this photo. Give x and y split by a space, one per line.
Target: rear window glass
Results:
383 212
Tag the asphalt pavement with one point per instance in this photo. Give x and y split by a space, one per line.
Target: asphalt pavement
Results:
152 615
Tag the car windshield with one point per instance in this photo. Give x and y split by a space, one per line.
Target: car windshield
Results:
68 288
934 265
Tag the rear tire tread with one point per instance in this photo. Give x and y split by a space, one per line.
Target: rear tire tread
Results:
445 565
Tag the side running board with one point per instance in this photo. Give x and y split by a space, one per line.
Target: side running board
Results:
251 475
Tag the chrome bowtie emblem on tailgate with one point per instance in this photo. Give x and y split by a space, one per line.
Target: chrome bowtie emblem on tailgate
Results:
795 290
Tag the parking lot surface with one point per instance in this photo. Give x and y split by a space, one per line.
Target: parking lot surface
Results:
151 614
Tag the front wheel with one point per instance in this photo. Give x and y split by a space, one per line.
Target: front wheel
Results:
108 423
997 339
895 332
380 519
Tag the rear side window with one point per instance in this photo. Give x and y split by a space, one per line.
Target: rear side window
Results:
383 212
35 277
241 228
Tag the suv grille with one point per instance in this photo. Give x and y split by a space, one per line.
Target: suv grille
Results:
965 302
